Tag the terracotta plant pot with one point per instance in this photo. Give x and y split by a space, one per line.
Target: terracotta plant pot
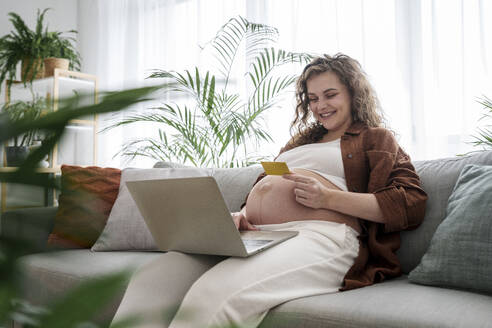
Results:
36 71
16 155
51 63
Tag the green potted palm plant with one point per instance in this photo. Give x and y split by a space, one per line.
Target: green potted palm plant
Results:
21 145
30 47
215 125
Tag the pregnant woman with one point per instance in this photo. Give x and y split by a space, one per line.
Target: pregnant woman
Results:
351 190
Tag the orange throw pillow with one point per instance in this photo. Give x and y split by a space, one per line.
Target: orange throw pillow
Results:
86 199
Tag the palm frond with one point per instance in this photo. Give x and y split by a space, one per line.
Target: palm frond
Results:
228 39
203 92
486 103
259 36
193 84
189 139
484 137
267 93
178 148
145 147
266 87
269 59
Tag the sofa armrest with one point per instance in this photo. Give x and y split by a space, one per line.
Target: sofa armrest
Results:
30 224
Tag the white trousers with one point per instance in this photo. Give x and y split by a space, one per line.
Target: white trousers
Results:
213 291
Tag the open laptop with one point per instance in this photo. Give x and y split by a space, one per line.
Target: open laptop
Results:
190 215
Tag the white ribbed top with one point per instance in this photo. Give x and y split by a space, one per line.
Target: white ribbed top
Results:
323 158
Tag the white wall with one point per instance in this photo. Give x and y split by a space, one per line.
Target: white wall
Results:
87 21
62 16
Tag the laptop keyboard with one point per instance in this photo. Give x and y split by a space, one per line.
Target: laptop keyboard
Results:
252 244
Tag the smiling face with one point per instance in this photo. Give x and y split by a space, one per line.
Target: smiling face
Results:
330 103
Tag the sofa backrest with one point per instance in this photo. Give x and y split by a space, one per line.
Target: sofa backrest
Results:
234 183
438 178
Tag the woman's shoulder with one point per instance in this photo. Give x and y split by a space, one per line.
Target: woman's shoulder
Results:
367 130
379 131
380 138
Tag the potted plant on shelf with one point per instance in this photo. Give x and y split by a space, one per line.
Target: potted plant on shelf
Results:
23 144
31 47
59 52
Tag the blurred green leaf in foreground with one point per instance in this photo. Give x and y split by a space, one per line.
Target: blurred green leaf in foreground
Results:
79 306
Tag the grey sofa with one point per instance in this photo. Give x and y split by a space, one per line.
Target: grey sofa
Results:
393 303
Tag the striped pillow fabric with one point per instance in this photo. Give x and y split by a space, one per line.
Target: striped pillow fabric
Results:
86 199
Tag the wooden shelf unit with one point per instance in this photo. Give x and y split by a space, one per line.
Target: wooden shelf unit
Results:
62 84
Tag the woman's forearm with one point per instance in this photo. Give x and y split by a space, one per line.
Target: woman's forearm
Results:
361 205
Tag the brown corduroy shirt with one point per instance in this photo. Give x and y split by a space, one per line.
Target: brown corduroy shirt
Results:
374 163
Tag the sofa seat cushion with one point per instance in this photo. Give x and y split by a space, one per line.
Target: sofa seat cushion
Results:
394 303
47 276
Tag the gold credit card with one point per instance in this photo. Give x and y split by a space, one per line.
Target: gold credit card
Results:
275 168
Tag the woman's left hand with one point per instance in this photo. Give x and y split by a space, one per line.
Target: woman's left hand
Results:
241 221
309 191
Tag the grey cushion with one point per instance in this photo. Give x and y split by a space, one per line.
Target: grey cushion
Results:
460 254
438 179
236 183
126 229
394 303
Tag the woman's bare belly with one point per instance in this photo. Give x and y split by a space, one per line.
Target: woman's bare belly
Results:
272 200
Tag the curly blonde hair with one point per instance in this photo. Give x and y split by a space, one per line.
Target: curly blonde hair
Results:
365 105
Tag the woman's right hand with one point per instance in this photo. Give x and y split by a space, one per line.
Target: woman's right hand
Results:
241 222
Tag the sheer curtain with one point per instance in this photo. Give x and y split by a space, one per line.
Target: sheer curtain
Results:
132 37
429 60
